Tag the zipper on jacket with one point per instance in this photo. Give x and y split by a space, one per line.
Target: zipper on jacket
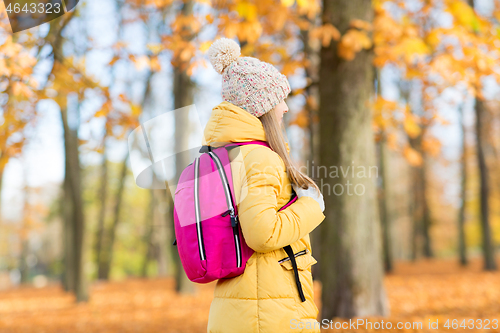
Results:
300 253
230 206
201 246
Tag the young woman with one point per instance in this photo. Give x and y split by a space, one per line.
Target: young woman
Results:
265 298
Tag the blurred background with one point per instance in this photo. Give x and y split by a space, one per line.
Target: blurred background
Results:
408 86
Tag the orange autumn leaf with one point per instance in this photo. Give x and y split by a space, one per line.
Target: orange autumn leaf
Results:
431 145
411 127
352 42
300 120
247 10
360 24
325 34
413 157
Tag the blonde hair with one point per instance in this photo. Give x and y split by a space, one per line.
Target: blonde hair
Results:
276 139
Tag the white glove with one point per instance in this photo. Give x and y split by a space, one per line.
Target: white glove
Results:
310 192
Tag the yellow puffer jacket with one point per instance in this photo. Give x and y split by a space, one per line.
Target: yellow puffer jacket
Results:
264 299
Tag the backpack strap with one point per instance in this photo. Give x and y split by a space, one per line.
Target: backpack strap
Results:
257 142
206 149
291 255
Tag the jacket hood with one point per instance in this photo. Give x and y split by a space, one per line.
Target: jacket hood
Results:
230 123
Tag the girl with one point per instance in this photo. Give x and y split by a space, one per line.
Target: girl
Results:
265 298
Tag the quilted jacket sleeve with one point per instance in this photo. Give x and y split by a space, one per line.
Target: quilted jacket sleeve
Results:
264 228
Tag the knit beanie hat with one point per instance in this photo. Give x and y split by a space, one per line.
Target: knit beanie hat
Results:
253 85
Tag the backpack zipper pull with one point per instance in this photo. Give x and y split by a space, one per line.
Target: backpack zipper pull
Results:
234 218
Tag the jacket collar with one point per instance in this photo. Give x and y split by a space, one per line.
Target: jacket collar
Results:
230 123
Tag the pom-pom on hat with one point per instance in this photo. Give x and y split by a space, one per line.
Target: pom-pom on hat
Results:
253 85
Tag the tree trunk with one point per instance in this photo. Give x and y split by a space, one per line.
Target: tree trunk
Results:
148 237
488 249
311 91
420 212
462 246
170 233
183 96
428 252
162 238
23 265
68 276
73 194
352 278
102 214
385 217
108 258
24 238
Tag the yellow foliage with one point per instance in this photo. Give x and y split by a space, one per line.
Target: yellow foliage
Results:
433 38
301 120
308 8
155 48
209 18
290 67
352 42
360 24
249 31
410 48
20 89
382 110
413 157
205 46
136 109
325 33
247 10
392 140
411 126
288 3
278 19
464 15
155 64
312 102
141 62
431 145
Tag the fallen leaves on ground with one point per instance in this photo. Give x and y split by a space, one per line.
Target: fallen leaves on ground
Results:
435 290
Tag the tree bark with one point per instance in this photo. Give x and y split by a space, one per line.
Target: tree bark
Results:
148 237
102 214
462 246
183 96
420 213
23 265
73 194
183 88
108 258
352 278
311 91
488 249
385 216
68 275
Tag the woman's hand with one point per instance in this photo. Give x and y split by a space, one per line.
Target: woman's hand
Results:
310 192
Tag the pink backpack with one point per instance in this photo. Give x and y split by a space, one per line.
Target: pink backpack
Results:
208 236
